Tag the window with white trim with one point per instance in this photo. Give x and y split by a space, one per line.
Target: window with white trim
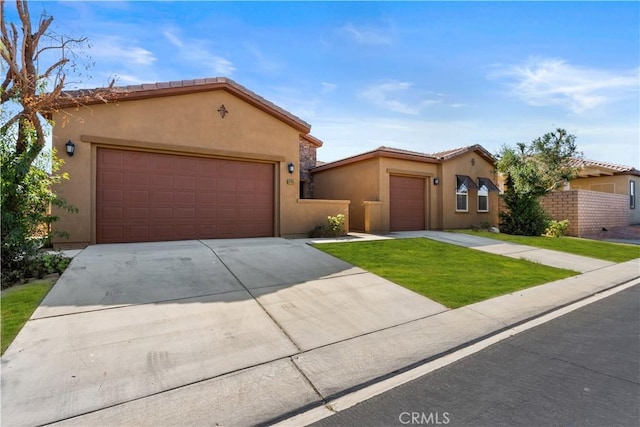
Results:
483 199
462 198
632 194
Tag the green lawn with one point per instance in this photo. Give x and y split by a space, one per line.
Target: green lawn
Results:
451 275
18 304
614 252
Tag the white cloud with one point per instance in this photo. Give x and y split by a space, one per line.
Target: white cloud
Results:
367 36
397 96
173 39
117 49
550 81
197 51
328 87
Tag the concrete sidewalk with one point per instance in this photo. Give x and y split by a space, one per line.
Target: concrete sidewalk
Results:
320 349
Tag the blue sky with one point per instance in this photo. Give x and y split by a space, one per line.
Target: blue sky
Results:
424 76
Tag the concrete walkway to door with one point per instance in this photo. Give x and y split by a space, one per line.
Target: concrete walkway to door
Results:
239 332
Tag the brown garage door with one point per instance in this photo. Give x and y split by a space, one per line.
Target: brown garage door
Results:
144 197
407 203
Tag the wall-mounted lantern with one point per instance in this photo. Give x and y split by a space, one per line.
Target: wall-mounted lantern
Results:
291 167
70 147
436 181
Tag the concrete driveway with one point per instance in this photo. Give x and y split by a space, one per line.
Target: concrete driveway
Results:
187 327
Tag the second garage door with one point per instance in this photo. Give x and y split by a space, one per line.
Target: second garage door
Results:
407 196
143 197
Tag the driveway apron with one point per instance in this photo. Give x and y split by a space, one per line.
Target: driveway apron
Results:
134 322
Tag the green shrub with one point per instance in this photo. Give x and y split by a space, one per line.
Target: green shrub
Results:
524 215
334 227
557 228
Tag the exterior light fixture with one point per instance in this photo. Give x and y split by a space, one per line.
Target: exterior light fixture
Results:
436 181
71 148
223 111
291 167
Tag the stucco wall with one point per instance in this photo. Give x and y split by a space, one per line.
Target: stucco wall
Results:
187 124
356 182
474 166
368 181
618 184
587 211
312 212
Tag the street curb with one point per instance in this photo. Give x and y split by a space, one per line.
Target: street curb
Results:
353 395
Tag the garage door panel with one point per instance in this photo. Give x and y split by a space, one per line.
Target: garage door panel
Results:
161 197
161 180
135 161
182 181
112 158
206 198
112 213
206 183
162 163
115 196
112 234
226 184
116 178
138 213
182 214
185 165
206 215
407 200
184 198
162 214
144 196
137 197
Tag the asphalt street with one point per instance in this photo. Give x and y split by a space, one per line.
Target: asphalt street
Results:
580 369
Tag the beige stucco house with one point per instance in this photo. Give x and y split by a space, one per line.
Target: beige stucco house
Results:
184 160
394 190
208 158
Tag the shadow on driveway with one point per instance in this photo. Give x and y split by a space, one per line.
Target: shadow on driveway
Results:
127 321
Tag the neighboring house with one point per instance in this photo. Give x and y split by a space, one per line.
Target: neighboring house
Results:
184 160
394 190
603 195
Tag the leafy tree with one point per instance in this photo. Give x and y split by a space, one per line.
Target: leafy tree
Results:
532 171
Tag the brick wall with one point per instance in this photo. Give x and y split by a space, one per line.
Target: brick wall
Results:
587 211
307 162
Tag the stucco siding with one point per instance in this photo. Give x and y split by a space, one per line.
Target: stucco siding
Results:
182 124
357 182
474 166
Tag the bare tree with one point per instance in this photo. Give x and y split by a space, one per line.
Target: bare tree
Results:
35 91
29 95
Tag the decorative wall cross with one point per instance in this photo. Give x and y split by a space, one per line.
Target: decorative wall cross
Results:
223 111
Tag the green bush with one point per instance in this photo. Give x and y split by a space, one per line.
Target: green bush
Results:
334 227
524 215
26 210
557 228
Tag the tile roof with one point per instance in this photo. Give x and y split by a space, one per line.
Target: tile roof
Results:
449 154
74 98
586 163
407 154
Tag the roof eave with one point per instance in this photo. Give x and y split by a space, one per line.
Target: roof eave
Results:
134 95
374 154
